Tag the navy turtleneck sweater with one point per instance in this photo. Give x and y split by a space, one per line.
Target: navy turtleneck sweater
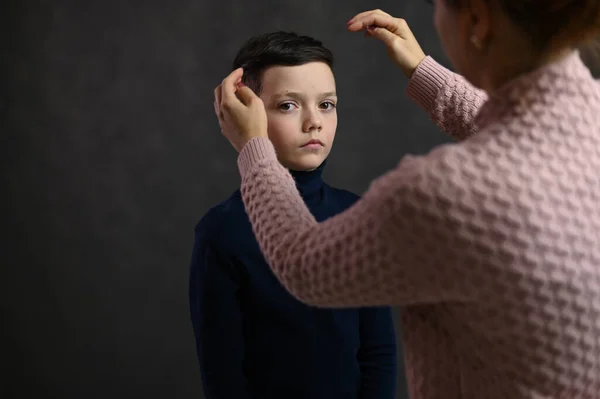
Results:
255 341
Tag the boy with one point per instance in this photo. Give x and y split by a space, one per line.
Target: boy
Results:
254 340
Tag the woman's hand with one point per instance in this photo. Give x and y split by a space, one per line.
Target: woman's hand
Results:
402 46
241 113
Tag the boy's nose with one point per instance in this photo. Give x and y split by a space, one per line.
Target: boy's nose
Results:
312 123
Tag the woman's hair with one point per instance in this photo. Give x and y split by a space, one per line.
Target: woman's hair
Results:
552 23
277 49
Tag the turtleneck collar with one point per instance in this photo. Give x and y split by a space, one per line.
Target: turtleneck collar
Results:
309 183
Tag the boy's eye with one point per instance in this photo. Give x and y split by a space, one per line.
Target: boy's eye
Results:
328 105
286 106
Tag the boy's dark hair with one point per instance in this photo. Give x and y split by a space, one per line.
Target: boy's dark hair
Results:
277 49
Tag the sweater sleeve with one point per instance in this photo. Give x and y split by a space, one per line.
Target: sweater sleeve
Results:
395 246
377 354
216 320
451 102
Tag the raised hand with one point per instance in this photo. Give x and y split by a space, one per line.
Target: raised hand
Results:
402 45
240 111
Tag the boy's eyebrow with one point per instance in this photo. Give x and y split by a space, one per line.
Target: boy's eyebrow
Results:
299 95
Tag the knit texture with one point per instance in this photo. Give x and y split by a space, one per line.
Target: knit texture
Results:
491 245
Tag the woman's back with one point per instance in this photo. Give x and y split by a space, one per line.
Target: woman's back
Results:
523 203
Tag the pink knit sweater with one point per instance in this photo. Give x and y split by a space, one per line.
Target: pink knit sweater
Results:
491 246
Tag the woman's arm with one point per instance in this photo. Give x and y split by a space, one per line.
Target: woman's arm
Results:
396 246
451 101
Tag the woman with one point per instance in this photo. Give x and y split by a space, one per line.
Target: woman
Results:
491 245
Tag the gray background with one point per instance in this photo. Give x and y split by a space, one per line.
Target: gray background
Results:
110 154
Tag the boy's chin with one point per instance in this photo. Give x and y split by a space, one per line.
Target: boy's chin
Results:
304 163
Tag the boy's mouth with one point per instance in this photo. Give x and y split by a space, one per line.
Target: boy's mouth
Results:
313 143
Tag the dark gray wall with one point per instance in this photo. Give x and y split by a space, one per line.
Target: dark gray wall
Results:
110 154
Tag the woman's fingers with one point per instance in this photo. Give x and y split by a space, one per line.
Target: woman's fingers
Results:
394 25
385 36
380 20
365 13
246 95
218 94
402 46
217 104
228 88
362 15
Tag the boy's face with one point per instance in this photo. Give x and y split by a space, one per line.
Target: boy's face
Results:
301 106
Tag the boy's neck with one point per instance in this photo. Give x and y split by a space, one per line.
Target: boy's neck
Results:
309 182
